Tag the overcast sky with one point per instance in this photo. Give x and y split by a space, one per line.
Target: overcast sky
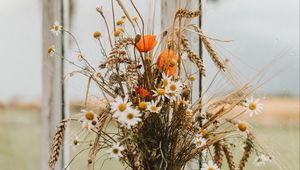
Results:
261 30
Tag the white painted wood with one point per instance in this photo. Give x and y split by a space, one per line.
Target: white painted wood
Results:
53 102
168 9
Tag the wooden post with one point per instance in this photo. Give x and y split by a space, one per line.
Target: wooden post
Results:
168 9
53 92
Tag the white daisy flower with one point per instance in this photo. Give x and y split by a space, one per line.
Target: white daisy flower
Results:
115 151
56 28
174 87
51 50
210 166
152 107
88 120
120 106
165 80
262 159
253 106
160 93
130 118
199 141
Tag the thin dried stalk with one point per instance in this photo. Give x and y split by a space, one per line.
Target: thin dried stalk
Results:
95 148
218 157
192 55
247 151
185 13
57 144
229 157
127 14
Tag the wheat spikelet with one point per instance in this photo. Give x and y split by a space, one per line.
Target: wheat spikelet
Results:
247 151
57 144
229 157
113 56
132 76
185 13
218 153
212 53
193 56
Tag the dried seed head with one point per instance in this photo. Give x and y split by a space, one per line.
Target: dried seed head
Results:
242 126
90 161
51 50
134 18
148 59
137 38
75 142
173 62
97 35
117 32
120 22
124 17
165 33
204 132
192 77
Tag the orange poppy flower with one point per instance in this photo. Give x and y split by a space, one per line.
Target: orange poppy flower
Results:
142 92
167 60
146 43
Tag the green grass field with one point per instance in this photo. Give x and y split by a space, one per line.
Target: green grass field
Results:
20 143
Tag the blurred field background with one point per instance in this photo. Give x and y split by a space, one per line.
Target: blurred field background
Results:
277 128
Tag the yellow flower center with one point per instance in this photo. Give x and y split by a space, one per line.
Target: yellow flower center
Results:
242 126
56 27
199 142
211 168
252 106
115 151
142 105
130 116
122 107
160 91
153 108
173 87
89 115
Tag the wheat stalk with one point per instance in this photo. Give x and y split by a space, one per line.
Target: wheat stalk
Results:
229 157
95 148
132 76
247 151
192 55
185 13
57 144
218 153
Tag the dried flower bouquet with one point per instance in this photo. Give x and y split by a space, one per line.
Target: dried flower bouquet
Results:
148 97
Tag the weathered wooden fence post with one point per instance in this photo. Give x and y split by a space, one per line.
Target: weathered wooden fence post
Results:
53 92
168 9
